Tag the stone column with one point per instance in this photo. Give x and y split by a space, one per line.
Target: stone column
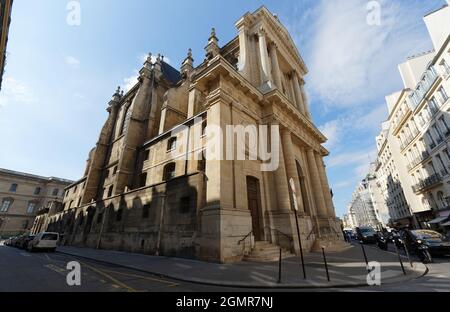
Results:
297 93
291 167
305 99
281 181
316 184
244 48
276 72
266 76
325 186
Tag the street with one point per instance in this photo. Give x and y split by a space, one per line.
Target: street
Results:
46 272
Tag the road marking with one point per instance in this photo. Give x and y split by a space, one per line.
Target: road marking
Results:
170 284
130 289
56 269
25 254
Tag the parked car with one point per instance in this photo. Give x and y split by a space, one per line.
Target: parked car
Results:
19 242
25 241
366 235
8 241
434 242
44 241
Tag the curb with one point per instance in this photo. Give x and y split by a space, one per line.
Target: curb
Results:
248 286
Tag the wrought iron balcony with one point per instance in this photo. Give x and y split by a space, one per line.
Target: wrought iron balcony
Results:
428 182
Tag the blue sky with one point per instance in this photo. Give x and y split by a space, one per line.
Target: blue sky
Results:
59 78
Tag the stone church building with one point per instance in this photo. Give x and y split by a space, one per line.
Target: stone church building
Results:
137 195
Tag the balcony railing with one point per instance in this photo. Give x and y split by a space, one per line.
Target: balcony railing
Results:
424 184
409 139
423 86
432 145
424 155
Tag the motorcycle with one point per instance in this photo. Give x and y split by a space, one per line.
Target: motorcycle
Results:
382 242
423 252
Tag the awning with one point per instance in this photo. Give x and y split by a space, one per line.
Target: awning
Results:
446 223
437 220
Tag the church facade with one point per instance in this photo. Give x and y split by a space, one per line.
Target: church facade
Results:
151 186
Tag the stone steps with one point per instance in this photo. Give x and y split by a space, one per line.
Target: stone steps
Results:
266 252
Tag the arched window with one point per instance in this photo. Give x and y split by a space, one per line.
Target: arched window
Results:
169 172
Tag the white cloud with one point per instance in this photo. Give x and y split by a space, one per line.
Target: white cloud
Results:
342 184
129 82
73 62
347 57
354 122
357 158
17 91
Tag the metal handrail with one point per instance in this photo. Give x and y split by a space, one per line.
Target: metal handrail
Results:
245 237
312 231
290 237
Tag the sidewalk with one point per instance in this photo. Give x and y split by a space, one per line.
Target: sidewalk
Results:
347 269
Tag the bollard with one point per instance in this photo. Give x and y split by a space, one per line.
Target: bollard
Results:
326 264
365 256
400 258
279 268
407 254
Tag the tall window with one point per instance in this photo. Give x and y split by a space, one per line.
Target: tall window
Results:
171 144
430 138
438 133
441 199
55 192
30 208
443 94
6 204
126 120
37 191
110 190
433 105
143 179
13 187
169 172
446 66
439 158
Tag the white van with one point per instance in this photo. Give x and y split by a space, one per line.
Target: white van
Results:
44 241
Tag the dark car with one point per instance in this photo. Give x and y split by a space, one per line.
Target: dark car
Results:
23 241
367 235
437 244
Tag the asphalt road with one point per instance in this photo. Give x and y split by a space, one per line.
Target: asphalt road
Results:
46 272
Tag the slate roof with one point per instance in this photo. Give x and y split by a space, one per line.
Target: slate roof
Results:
170 73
